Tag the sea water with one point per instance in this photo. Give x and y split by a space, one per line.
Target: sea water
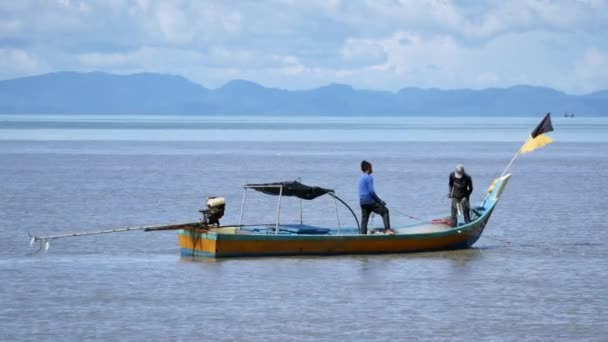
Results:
537 273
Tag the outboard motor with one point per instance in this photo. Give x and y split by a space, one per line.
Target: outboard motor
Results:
214 211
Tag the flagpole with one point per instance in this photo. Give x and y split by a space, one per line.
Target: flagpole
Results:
507 168
514 157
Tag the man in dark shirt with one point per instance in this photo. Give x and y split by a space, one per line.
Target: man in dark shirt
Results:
370 202
461 187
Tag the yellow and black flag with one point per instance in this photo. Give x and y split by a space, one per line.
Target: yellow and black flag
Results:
538 138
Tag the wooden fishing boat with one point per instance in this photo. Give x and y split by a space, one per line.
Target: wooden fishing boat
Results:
276 239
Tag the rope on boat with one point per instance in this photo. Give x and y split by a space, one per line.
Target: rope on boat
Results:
410 216
423 220
506 242
195 238
404 214
509 244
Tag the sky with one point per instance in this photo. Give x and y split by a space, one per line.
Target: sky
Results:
303 44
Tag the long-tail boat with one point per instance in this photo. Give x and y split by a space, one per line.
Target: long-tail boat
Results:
276 239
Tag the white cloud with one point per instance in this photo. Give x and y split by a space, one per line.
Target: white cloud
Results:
232 22
80 6
143 4
406 52
10 28
594 58
363 52
145 58
174 24
17 62
98 60
591 70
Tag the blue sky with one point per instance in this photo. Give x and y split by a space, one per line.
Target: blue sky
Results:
301 44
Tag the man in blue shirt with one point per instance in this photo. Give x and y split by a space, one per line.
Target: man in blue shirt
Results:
370 202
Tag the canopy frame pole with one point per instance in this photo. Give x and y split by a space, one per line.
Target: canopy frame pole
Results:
348 207
301 216
337 215
276 230
243 206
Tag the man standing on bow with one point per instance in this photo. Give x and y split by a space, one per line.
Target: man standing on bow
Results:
370 202
461 187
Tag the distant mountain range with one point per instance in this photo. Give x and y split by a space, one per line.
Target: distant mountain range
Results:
101 93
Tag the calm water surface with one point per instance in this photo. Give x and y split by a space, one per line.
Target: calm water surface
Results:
538 272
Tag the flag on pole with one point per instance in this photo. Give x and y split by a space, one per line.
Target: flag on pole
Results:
543 127
538 138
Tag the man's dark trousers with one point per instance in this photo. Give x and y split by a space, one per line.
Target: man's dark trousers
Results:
367 209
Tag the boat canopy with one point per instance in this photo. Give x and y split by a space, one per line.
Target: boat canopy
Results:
291 188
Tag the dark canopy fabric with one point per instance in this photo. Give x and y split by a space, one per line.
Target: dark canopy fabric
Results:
294 188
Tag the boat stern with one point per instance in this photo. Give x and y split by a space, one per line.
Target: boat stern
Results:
196 243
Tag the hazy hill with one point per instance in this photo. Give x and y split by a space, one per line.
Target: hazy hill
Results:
101 93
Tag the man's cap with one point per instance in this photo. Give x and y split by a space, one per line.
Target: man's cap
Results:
459 171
